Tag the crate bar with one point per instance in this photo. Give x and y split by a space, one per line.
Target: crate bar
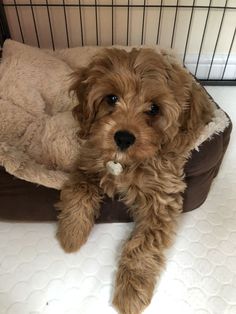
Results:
159 22
50 25
81 24
112 22
174 25
143 22
18 19
217 39
35 27
229 53
96 19
188 34
128 17
100 5
203 37
4 29
66 24
218 82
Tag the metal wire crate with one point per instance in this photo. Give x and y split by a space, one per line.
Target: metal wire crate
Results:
202 32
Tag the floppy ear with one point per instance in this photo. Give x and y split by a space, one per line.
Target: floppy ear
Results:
199 112
84 112
191 96
195 106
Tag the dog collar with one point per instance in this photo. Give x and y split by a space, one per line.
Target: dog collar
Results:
114 167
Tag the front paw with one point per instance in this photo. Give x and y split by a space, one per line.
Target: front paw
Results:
133 292
72 233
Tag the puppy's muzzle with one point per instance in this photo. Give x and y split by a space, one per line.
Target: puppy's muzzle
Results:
124 139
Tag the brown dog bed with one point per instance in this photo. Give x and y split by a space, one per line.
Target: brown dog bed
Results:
29 187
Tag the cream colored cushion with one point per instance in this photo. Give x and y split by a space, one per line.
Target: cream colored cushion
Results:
38 140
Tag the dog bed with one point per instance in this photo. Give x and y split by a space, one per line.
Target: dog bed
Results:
39 143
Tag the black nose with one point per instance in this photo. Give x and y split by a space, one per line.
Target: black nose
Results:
124 139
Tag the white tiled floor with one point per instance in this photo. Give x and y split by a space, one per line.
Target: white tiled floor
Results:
36 276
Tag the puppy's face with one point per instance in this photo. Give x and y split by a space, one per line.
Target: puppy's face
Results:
130 104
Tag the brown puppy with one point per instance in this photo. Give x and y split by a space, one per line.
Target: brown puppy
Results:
140 115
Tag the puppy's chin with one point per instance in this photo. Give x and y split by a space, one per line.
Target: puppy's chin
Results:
123 158
131 156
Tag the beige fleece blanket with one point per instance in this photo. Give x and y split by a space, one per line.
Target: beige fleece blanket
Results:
38 140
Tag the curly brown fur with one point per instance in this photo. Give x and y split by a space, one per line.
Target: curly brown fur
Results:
152 181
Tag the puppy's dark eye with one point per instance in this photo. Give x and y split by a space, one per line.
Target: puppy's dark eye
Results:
154 110
111 99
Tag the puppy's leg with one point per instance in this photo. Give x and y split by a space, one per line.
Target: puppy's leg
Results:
143 255
80 203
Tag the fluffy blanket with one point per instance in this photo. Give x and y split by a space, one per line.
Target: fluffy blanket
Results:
38 140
